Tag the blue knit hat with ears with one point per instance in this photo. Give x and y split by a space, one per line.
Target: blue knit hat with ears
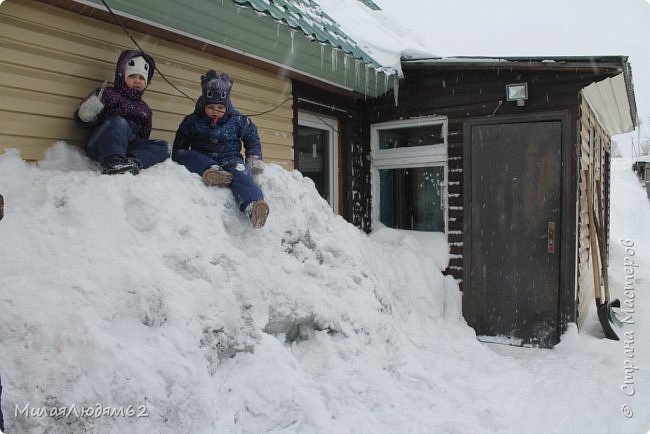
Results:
215 89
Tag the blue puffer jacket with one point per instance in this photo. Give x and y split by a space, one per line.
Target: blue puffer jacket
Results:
223 140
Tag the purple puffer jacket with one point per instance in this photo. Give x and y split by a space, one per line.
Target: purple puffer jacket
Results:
121 100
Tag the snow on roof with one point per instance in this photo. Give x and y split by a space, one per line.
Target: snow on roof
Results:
343 24
378 35
587 61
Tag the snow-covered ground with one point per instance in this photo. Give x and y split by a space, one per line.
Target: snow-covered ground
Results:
150 296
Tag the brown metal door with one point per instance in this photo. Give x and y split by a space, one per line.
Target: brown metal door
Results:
514 221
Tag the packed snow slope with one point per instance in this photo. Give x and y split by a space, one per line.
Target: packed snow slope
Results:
152 295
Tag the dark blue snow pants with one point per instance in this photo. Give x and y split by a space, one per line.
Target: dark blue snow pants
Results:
111 139
243 185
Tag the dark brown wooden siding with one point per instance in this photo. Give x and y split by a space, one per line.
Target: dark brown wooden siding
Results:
461 95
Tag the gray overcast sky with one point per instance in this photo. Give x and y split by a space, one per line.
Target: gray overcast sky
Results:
534 28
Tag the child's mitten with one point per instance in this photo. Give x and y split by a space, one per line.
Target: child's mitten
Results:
256 165
89 109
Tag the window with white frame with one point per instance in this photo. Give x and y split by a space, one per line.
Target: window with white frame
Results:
317 153
409 174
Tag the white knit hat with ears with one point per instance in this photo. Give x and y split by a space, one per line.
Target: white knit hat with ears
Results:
139 66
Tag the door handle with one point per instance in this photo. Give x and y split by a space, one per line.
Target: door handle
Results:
550 238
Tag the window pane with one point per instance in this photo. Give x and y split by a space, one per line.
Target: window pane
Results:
313 157
412 136
411 198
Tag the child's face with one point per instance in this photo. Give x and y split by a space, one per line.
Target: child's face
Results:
215 111
136 81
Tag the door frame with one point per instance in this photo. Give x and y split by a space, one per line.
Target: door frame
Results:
568 205
329 124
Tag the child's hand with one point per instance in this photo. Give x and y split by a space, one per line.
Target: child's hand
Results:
256 165
90 108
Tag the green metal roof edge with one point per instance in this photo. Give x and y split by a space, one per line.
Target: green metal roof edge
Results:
372 5
276 41
309 18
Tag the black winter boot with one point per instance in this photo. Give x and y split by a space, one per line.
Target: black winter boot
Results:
118 165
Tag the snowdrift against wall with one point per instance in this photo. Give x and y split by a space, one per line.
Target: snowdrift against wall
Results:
151 296
148 290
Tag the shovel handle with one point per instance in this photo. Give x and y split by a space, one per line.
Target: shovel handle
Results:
600 228
595 252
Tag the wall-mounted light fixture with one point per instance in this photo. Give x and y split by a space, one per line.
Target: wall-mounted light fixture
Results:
517 92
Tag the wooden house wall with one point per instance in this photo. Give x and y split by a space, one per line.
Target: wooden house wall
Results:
594 158
353 150
462 95
51 58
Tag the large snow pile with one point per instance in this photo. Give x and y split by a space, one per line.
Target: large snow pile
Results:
151 296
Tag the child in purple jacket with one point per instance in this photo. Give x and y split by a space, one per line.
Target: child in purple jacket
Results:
209 142
119 121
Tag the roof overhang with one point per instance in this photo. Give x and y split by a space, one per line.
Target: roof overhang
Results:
246 35
546 63
608 99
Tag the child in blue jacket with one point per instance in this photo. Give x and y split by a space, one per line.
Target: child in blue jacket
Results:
209 142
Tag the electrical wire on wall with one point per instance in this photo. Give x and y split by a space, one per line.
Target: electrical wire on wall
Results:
324 121
116 18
